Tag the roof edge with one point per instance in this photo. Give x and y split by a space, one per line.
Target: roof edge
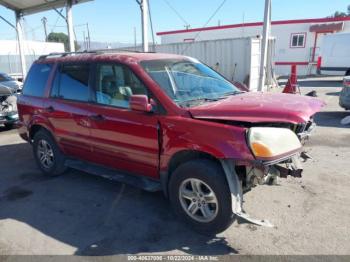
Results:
279 22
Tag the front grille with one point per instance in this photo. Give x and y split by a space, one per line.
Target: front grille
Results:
304 127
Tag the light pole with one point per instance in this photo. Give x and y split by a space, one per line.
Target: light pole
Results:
265 44
44 21
144 20
144 11
69 18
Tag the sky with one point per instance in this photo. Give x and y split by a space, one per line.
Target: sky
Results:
115 20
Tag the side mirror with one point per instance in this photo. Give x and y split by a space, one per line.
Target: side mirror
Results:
140 103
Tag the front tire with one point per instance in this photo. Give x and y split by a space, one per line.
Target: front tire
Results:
200 195
47 154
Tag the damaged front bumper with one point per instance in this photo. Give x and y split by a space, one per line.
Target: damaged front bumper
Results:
8 117
304 130
266 172
242 178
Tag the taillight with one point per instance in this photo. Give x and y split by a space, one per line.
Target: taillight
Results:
319 62
346 82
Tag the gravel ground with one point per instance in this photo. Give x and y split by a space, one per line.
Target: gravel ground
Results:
86 215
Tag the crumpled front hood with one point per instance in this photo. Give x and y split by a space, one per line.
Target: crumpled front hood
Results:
256 107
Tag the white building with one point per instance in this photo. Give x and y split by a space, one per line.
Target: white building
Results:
9 54
297 41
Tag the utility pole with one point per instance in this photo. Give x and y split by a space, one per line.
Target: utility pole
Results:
84 39
69 18
265 44
88 37
144 12
135 42
44 21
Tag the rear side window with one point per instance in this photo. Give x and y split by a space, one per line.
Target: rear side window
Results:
72 82
36 80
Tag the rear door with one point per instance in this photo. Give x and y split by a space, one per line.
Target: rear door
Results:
68 109
121 138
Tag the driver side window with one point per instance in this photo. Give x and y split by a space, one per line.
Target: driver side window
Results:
116 84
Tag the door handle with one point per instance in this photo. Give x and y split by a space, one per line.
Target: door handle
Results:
97 118
50 109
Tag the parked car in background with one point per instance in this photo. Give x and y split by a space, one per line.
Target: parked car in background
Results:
163 122
10 82
344 97
335 55
8 106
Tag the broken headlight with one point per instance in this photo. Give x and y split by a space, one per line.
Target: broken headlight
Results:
272 142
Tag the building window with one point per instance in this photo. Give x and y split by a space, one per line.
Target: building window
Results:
298 40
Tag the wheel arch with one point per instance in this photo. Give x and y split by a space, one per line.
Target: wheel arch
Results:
38 123
35 128
182 157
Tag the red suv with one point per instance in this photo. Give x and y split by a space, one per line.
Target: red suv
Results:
163 122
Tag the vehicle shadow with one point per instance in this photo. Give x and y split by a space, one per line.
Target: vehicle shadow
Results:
331 118
333 93
92 214
3 129
323 83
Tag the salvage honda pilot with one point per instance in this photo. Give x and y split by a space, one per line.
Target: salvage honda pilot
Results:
163 122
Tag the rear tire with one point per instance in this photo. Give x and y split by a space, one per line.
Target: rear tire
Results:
47 154
208 209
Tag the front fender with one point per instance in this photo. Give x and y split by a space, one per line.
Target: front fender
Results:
216 139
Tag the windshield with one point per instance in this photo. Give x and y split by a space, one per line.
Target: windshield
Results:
4 77
189 82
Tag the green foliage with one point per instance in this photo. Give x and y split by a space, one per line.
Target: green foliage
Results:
342 14
61 38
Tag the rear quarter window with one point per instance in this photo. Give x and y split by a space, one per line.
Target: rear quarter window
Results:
36 80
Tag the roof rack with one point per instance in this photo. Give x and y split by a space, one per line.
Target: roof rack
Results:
117 50
97 51
65 54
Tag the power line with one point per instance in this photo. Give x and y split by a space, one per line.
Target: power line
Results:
177 13
208 21
53 27
78 25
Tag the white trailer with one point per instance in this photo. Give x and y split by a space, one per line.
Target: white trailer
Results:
10 62
297 41
335 54
237 59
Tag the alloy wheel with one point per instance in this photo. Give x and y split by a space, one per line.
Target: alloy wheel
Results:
45 154
198 200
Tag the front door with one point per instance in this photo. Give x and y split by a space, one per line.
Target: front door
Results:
121 138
